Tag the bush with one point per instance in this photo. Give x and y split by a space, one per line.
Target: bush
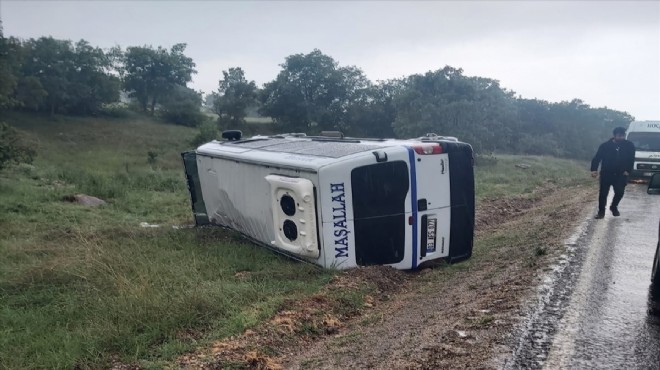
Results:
13 149
207 132
182 107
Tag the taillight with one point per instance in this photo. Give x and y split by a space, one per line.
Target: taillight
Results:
424 149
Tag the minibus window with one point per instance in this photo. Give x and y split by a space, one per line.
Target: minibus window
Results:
379 195
379 189
645 141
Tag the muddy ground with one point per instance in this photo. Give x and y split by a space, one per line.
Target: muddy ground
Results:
458 317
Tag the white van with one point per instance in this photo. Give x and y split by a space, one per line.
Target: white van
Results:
646 137
340 202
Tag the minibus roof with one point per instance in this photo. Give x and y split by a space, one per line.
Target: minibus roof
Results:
644 126
305 152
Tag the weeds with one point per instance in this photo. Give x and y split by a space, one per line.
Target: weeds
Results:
540 251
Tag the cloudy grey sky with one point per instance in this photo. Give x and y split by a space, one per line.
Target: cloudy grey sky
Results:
606 53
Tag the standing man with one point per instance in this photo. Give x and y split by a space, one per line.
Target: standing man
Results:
616 158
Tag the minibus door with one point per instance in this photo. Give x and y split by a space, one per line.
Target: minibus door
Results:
433 201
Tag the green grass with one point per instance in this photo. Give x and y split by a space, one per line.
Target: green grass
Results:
81 286
500 177
258 120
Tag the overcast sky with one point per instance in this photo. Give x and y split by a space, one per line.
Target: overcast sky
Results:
606 53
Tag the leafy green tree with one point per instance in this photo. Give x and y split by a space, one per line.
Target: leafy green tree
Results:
12 148
51 61
7 72
181 106
151 74
90 83
61 77
311 92
446 102
30 93
235 94
372 112
567 129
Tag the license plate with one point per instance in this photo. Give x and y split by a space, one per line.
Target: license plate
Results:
430 234
648 174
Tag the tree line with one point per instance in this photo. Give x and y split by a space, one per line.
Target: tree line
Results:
311 93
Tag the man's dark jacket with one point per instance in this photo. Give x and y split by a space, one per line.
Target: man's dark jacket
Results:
616 157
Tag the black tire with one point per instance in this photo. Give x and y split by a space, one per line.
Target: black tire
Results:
655 274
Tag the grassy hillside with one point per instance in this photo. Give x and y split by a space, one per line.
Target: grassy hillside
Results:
82 286
507 175
79 284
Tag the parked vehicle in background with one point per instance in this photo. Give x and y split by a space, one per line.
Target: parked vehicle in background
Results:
340 202
645 135
654 188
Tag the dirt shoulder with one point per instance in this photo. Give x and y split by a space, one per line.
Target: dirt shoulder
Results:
457 316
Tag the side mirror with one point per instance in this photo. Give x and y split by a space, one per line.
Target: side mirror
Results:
654 184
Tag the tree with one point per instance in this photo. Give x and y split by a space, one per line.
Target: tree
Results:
58 76
30 93
7 72
150 74
181 106
51 62
565 129
311 92
235 95
372 113
445 102
90 82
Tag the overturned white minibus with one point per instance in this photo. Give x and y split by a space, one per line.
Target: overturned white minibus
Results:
340 202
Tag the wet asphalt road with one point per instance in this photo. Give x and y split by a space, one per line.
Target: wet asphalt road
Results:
595 309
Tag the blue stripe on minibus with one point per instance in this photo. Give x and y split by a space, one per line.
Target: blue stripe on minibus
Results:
413 200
